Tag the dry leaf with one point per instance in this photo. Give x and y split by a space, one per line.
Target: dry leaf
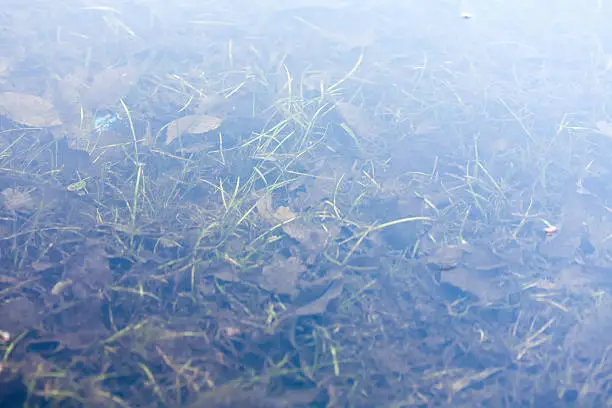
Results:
191 124
29 110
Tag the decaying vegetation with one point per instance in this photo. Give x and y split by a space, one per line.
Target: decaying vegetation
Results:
272 209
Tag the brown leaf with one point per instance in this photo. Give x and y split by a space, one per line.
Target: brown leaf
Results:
29 110
191 124
109 86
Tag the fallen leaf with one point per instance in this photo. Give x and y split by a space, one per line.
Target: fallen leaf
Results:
319 306
485 287
358 120
108 86
284 214
282 275
29 110
265 208
16 200
196 148
191 124
311 236
227 275
563 246
312 303
446 257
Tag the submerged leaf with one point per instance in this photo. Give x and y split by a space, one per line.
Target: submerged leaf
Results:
108 86
486 287
319 305
265 208
356 118
191 124
282 275
16 200
29 110
284 214
446 257
311 236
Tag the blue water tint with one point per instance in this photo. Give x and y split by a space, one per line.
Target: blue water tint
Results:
306 204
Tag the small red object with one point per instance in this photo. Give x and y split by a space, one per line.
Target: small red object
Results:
551 229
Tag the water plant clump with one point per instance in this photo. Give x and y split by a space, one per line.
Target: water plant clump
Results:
275 209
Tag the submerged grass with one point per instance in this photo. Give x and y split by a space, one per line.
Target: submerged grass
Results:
298 258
